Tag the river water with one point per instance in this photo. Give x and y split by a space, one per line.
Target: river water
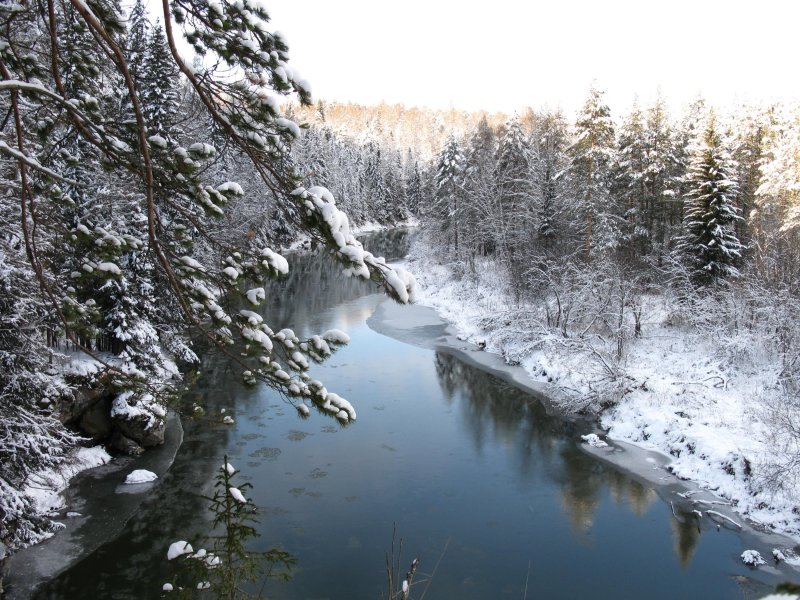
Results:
481 480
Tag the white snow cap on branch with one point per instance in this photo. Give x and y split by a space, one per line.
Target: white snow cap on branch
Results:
177 549
237 495
336 336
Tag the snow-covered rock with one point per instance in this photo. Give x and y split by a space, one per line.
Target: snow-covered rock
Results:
753 558
594 440
140 476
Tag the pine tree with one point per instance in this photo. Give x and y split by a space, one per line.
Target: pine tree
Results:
630 182
709 244
775 218
114 226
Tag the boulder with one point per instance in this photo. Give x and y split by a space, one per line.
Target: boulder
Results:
124 444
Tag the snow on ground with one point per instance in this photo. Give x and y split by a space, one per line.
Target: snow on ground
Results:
45 487
681 399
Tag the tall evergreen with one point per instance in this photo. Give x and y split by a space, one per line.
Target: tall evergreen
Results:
709 245
592 157
514 215
159 85
448 202
549 143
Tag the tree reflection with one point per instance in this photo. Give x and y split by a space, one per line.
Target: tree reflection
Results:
315 283
686 533
494 411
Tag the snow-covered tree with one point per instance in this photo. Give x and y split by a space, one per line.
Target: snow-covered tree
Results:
480 190
775 218
549 143
112 220
448 206
159 86
709 245
513 218
592 158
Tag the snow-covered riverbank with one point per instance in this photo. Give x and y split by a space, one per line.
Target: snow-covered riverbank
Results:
676 395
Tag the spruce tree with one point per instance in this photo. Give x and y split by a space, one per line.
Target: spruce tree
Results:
514 217
592 158
159 86
448 202
709 245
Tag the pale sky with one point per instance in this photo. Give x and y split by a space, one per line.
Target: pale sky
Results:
508 54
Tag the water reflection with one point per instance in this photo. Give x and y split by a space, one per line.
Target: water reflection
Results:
496 412
315 283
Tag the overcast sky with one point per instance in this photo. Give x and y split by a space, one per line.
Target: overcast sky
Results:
508 54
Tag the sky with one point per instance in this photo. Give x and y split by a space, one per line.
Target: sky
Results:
504 55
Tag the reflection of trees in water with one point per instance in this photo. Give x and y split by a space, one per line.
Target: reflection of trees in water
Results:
686 533
581 488
493 409
628 492
315 283
496 411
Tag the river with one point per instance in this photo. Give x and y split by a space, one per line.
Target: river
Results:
483 481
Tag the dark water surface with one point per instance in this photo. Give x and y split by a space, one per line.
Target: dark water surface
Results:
474 473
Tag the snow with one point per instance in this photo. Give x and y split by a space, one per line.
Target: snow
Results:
140 476
336 336
303 410
177 549
108 267
158 141
752 558
229 468
231 187
594 441
237 495
44 487
127 407
167 587
255 296
275 260
228 420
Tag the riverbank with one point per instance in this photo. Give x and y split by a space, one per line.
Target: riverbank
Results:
689 500
91 503
675 395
